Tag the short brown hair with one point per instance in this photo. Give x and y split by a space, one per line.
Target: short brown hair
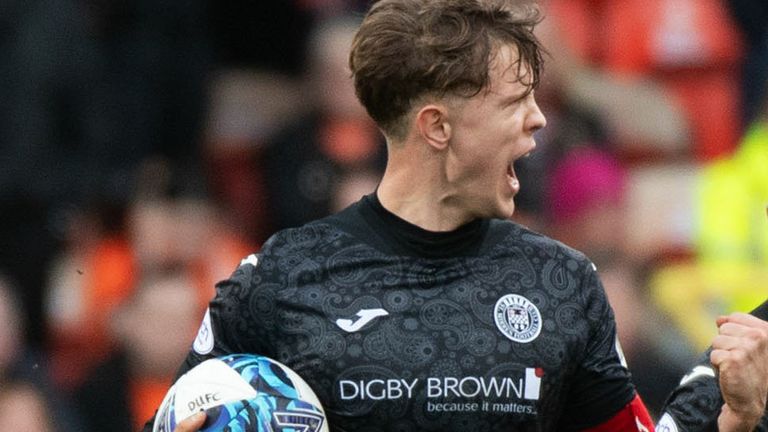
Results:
406 49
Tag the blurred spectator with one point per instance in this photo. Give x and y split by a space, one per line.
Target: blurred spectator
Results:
691 46
247 106
28 401
729 269
105 258
624 106
261 50
153 330
588 106
23 409
587 196
94 273
308 164
91 88
44 137
569 125
632 119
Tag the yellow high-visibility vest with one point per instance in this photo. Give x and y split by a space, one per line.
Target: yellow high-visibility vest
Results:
730 272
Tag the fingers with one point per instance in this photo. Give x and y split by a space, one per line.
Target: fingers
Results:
739 336
743 319
734 336
740 354
736 329
718 357
191 424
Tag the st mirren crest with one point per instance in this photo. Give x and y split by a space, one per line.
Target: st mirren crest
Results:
517 318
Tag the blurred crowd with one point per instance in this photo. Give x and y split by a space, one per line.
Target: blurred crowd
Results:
146 146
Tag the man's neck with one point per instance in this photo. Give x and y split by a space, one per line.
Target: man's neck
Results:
421 199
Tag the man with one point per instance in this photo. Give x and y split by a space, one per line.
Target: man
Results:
727 389
421 307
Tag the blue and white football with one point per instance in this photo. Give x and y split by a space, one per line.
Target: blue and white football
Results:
242 393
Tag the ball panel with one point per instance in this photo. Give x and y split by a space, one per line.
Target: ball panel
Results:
303 390
165 419
243 393
265 413
210 383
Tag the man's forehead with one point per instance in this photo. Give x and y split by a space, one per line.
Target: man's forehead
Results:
507 73
507 65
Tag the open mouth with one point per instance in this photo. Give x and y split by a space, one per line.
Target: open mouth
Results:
514 183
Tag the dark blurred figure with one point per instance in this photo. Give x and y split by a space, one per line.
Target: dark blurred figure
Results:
752 18
44 135
258 90
270 36
90 89
329 158
329 8
265 35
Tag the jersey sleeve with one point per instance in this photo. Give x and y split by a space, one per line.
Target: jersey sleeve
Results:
232 322
633 417
761 311
601 386
695 403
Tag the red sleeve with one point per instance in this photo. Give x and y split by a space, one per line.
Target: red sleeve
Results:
633 417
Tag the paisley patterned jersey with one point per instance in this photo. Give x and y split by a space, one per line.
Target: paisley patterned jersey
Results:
490 327
695 404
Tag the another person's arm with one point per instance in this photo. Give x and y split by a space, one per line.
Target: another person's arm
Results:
740 354
700 404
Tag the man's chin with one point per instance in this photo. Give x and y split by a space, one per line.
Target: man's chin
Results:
505 209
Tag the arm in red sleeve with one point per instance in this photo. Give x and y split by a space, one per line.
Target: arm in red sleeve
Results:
633 417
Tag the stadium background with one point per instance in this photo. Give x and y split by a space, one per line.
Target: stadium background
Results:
146 146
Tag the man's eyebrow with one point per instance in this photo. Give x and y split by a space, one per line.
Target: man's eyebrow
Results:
517 96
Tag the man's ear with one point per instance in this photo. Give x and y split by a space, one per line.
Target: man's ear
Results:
433 126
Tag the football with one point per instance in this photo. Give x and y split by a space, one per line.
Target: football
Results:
244 393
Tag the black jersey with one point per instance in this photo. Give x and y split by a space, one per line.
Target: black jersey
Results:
490 327
695 404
